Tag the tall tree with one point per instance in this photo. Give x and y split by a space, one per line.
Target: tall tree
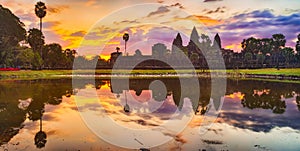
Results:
266 45
69 57
53 56
11 33
12 30
251 45
35 39
278 43
288 54
40 12
125 38
298 48
298 44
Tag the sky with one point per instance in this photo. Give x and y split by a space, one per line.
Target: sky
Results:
97 26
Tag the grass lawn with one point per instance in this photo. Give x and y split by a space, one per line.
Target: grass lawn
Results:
24 74
269 71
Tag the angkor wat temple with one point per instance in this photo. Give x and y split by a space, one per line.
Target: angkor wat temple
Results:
197 54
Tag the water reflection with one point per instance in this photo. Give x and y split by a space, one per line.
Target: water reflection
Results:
172 88
40 137
27 99
257 106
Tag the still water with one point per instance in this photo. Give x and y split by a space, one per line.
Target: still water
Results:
57 114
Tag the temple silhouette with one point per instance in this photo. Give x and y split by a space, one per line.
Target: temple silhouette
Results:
195 54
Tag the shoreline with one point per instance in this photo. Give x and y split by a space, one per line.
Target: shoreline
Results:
282 74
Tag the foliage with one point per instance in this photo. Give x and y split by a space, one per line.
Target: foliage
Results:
11 29
40 9
35 39
11 33
53 56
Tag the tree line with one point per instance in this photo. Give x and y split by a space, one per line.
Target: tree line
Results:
27 49
264 52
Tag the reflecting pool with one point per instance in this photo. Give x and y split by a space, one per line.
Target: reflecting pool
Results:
152 113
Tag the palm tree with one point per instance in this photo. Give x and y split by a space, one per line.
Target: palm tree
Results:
40 138
118 49
125 38
40 11
126 107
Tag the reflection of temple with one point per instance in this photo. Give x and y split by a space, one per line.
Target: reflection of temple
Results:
195 51
173 88
256 94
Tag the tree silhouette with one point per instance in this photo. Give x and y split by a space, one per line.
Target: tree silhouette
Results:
126 107
138 53
298 47
118 49
278 42
12 31
298 102
125 38
40 12
288 54
40 138
35 39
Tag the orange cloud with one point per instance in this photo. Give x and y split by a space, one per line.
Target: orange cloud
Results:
202 19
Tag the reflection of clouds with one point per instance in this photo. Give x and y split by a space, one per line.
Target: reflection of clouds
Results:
258 120
102 112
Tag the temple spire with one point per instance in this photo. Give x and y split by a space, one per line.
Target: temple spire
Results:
194 35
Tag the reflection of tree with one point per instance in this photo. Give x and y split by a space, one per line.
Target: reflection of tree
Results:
268 100
40 138
264 101
126 107
298 102
41 91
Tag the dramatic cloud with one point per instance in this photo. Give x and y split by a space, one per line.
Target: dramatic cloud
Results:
218 10
78 34
177 5
50 24
161 10
211 0
199 18
162 33
56 8
127 22
259 24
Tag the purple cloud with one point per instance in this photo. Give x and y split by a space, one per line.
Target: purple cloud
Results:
159 11
78 34
56 9
263 24
50 24
211 0
177 5
218 10
127 22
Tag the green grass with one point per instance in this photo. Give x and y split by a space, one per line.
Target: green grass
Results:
269 71
30 74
